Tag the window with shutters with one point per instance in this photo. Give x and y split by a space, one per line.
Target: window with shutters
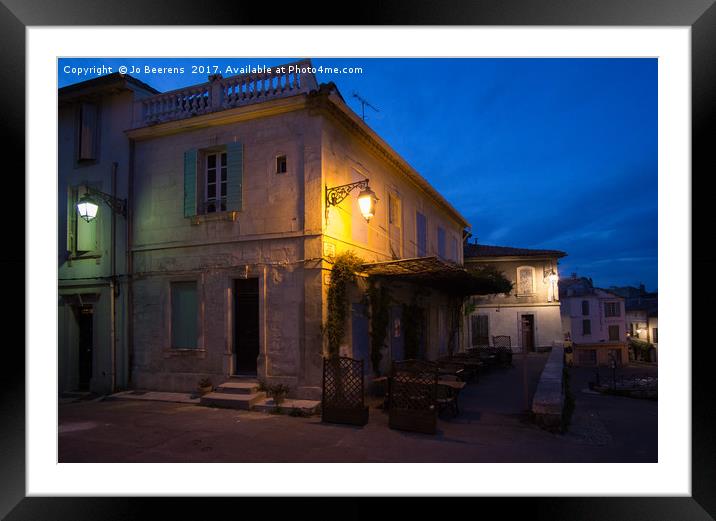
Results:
82 236
441 242
421 226
395 226
612 309
184 315
613 333
586 327
585 308
526 281
479 332
213 179
87 132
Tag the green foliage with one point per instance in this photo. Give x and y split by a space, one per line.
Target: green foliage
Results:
344 271
488 280
278 392
640 348
205 382
379 300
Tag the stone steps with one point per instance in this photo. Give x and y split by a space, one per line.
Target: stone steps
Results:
232 400
243 393
238 387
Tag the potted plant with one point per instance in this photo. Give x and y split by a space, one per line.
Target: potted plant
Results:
278 393
205 386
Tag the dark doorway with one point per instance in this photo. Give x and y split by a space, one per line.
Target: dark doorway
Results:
84 321
528 332
359 330
397 350
246 325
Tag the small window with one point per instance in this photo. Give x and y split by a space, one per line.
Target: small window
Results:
441 242
281 166
613 333
612 309
586 327
184 315
585 308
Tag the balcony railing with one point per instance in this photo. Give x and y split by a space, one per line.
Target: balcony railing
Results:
226 93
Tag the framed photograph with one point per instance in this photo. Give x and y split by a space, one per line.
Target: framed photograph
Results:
438 240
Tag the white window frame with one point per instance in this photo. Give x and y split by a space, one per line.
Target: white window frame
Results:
221 177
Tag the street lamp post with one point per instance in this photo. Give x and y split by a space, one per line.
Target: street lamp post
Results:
87 209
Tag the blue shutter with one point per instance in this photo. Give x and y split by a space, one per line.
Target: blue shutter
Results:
235 173
421 234
190 183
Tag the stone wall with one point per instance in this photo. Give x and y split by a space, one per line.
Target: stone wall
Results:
548 401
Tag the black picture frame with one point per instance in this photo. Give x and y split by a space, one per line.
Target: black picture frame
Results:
700 15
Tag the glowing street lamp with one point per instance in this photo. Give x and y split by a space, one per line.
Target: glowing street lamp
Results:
366 198
367 201
87 208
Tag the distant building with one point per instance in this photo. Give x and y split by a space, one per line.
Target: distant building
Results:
530 314
642 313
595 321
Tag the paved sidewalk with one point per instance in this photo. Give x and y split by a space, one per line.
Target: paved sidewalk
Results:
491 428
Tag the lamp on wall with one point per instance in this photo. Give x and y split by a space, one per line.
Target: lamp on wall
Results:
366 198
87 206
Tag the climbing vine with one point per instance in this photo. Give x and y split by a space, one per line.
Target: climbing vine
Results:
343 273
379 300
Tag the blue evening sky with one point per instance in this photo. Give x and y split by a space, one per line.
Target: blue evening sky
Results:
535 153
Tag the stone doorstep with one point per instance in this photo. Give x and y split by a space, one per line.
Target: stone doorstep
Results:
308 407
232 400
237 387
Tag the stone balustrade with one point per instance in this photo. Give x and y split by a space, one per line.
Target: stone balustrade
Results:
226 93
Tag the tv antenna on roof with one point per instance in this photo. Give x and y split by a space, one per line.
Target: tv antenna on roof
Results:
363 103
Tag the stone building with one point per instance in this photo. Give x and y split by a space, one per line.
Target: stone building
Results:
93 153
530 314
595 321
231 235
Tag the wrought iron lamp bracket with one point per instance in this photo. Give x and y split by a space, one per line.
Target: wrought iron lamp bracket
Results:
116 204
335 195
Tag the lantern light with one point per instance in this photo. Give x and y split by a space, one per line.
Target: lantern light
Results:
87 208
367 201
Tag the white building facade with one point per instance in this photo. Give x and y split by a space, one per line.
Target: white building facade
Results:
530 314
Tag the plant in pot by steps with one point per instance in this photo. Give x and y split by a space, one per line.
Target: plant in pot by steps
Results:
205 386
278 393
